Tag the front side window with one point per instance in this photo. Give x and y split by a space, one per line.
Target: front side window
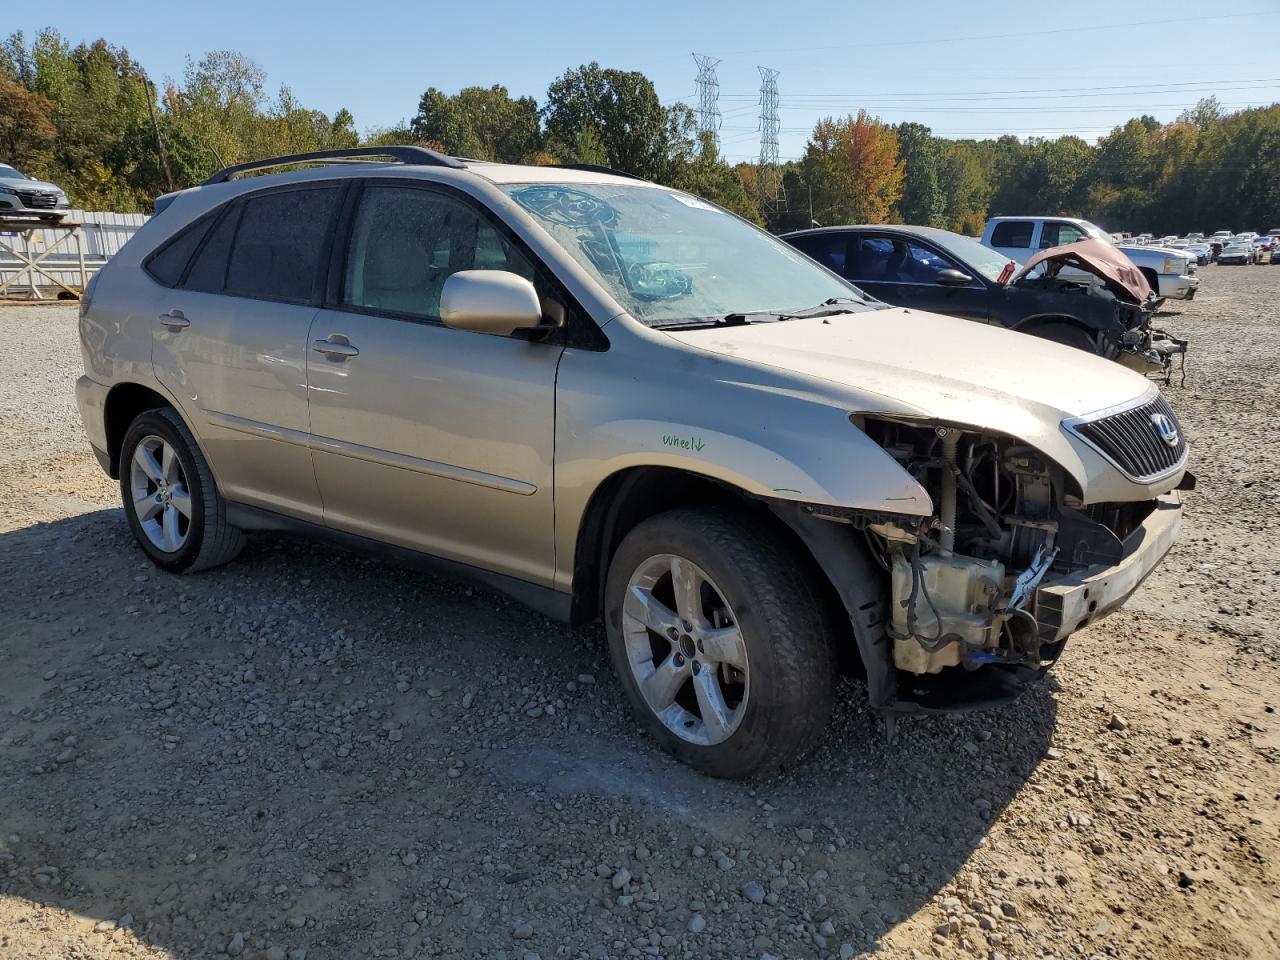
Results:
1056 234
1015 234
277 250
406 242
670 258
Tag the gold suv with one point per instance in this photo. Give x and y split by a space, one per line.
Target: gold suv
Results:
612 399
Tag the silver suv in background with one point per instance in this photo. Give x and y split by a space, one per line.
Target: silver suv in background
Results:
615 400
24 196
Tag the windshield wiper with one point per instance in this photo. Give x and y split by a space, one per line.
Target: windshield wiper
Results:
827 308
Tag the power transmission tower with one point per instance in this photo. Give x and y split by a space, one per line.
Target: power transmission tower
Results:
708 111
767 176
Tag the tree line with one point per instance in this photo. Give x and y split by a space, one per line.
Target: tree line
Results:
88 117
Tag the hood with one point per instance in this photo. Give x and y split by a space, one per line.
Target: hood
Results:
41 186
911 363
1153 248
1104 261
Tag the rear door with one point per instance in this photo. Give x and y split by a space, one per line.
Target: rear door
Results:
230 343
431 438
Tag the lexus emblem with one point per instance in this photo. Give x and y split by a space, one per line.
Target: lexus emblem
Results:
1165 428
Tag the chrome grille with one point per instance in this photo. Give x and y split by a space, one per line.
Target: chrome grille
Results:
1132 440
38 201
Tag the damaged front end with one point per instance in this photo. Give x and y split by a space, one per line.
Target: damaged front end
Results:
964 607
1103 273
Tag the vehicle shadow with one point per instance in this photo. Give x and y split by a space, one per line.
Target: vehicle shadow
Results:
312 750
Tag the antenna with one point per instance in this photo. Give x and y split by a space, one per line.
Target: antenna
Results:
708 111
767 178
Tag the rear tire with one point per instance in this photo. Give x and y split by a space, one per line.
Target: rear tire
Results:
769 690
170 498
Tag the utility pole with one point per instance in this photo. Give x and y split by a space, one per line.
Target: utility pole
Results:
708 85
767 178
150 91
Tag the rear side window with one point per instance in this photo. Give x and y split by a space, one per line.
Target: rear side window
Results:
828 249
1013 233
209 271
870 260
277 250
167 264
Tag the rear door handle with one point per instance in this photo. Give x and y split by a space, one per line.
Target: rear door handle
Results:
336 347
175 320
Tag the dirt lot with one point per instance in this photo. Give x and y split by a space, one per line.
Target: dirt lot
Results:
312 754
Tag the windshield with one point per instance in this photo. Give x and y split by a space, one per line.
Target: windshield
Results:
11 174
670 258
969 251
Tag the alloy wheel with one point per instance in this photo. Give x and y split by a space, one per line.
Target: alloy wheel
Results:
685 650
161 498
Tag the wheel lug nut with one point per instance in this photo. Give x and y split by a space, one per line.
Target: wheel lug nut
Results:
673 634
696 666
678 659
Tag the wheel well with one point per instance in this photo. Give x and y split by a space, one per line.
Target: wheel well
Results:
1153 278
632 496
124 403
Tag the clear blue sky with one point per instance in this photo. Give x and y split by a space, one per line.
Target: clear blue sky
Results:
901 61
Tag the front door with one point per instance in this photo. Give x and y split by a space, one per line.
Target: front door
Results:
431 438
230 342
905 273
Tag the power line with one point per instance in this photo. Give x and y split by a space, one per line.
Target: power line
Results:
1006 36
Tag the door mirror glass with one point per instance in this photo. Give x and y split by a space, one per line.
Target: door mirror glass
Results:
489 301
952 278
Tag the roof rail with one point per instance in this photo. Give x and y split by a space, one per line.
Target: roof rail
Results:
415 155
598 168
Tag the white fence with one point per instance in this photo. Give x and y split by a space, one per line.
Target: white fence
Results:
60 259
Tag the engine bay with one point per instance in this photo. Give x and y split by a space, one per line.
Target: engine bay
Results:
963 583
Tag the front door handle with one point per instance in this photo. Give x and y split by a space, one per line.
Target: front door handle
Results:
175 320
336 347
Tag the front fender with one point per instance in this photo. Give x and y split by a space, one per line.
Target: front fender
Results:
612 414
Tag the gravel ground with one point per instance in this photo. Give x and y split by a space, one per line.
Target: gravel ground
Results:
313 754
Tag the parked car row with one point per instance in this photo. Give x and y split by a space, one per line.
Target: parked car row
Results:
615 400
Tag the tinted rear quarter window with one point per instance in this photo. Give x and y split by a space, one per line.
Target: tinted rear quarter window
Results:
167 264
1013 233
209 271
277 250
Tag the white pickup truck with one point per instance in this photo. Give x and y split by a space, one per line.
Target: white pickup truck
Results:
1171 273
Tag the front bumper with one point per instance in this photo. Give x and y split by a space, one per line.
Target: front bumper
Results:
1071 603
1178 287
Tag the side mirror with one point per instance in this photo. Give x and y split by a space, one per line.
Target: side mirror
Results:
952 278
489 301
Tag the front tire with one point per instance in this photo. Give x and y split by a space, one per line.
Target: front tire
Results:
170 498
1067 334
721 641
